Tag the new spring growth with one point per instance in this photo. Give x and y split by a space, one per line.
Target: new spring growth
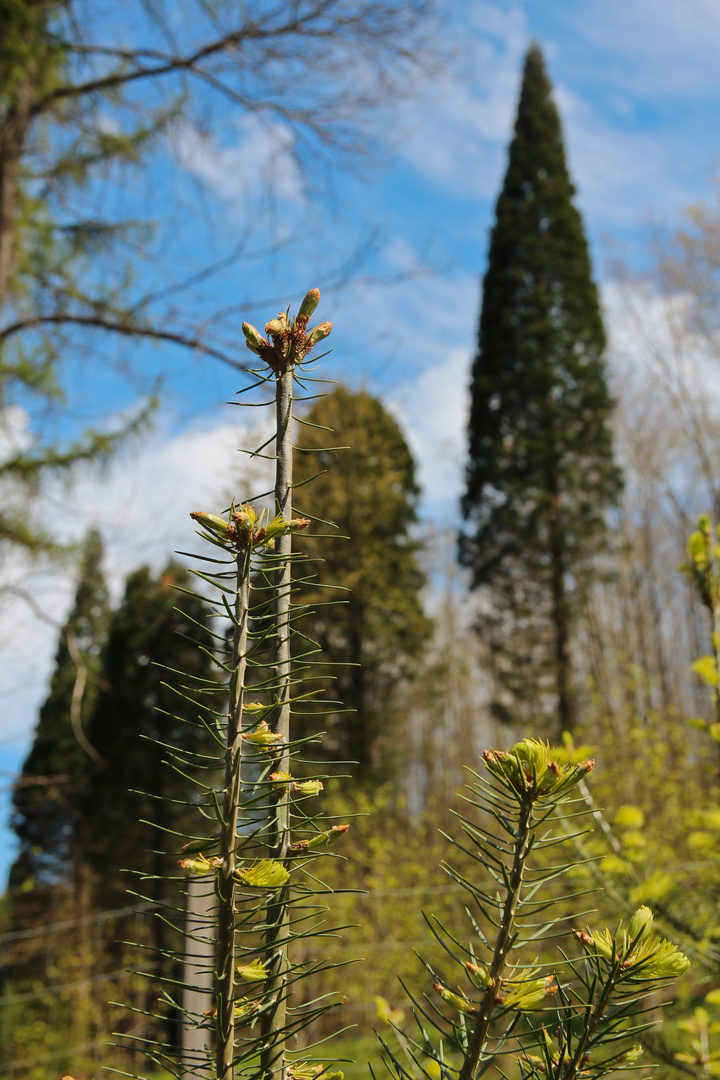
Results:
638 951
320 840
247 528
242 1010
530 770
200 865
456 1000
283 782
263 736
703 565
264 874
254 972
288 340
311 1070
528 993
479 975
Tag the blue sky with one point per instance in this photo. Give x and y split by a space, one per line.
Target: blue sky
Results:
637 83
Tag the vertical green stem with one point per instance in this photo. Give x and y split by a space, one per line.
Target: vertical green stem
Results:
273 1058
502 944
576 1063
225 966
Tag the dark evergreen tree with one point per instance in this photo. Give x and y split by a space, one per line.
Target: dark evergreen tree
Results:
139 728
46 795
541 472
82 811
370 623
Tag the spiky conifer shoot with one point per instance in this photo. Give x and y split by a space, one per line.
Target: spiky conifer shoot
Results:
574 1017
256 861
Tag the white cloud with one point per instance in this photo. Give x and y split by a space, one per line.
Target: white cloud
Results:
462 125
666 47
433 410
141 504
257 162
617 171
464 119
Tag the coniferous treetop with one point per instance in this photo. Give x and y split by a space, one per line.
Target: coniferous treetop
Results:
541 472
540 402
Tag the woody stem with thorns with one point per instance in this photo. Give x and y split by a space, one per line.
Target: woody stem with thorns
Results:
225 883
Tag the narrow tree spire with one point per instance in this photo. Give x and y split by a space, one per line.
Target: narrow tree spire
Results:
541 471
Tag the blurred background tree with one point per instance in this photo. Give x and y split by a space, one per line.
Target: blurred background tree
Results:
541 472
92 783
46 794
371 629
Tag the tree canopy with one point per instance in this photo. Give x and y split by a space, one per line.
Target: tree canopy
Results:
369 623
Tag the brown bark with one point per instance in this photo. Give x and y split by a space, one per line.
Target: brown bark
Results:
560 613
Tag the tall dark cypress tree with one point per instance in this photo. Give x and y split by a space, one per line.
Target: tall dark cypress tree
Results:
541 472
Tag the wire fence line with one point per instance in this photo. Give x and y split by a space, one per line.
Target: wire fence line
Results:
140 909
71 924
40 1059
65 926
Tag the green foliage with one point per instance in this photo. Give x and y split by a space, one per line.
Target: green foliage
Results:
579 1015
135 725
93 780
371 627
541 471
703 571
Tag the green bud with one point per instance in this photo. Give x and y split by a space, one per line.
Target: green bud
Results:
460 1003
536 1064
308 787
529 994
530 770
253 338
304 1070
244 1009
211 522
311 301
320 840
641 923
656 958
263 736
600 942
200 865
321 331
479 975
280 782
275 327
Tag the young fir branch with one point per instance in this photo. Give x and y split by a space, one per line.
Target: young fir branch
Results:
257 855
596 1010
